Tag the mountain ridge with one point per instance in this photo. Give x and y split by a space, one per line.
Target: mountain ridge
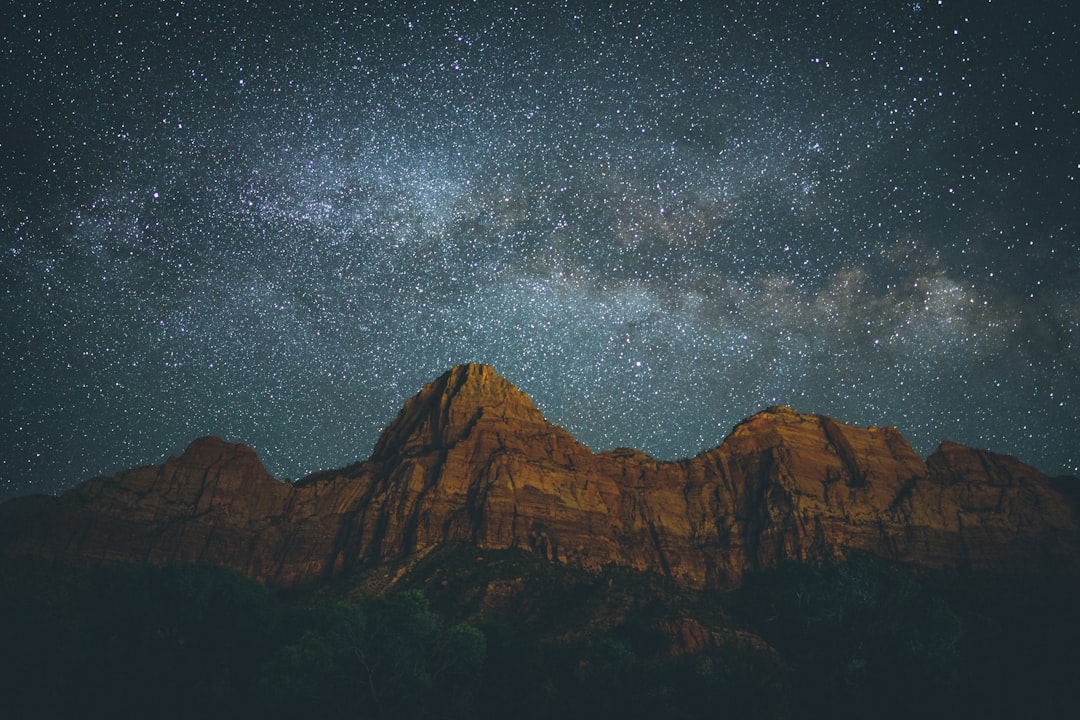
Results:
470 459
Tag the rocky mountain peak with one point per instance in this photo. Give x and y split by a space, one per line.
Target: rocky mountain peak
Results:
446 409
780 410
211 451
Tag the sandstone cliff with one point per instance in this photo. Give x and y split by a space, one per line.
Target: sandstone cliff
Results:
470 459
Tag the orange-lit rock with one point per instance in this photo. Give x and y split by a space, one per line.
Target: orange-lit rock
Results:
471 459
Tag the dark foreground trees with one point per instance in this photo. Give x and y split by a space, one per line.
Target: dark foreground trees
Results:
856 639
190 641
384 657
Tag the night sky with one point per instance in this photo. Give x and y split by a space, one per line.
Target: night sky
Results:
275 222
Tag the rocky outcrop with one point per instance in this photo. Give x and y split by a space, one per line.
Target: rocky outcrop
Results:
216 503
470 459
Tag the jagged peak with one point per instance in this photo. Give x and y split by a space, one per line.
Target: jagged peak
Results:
445 409
949 446
783 419
479 385
211 449
785 413
476 376
776 414
780 410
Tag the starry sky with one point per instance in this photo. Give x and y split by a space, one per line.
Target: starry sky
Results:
275 221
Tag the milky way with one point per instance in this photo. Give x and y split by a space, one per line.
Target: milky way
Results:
275 221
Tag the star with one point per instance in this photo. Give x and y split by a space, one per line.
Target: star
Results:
276 227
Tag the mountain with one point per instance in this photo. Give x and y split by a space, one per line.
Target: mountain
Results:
470 460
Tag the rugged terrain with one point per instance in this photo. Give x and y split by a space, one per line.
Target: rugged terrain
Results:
471 460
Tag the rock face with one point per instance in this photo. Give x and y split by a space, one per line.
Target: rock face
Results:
470 459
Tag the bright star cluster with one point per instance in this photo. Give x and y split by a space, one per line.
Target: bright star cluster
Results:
275 221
